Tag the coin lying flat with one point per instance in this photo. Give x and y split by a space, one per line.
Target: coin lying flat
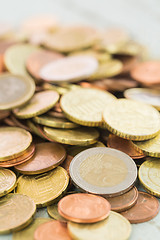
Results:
7 181
85 106
113 228
104 171
132 120
40 103
15 90
146 208
43 188
53 212
17 212
46 157
79 136
71 69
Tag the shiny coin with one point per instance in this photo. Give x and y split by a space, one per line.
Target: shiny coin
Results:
42 188
145 95
85 106
53 212
84 208
40 103
113 228
47 156
7 181
70 69
124 201
17 212
79 136
132 120
15 90
103 171
146 208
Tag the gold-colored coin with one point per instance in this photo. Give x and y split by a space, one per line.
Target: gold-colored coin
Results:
79 136
132 120
44 188
17 212
28 233
7 181
34 129
149 176
14 141
15 90
113 228
55 122
53 212
85 106
40 103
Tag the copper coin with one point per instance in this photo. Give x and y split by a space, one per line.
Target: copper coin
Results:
129 62
119 84
19 123
41 132
53 230
66 163
9 122
47 156
124 145
4 114
84 208
56 114
124 201
147 72
38 59
146 208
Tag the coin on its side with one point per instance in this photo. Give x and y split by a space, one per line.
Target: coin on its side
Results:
53 212
7 181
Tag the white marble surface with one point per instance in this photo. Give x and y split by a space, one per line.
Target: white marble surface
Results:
140 17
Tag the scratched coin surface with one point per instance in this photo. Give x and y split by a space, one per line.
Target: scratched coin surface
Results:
104 171
47 156
7 181
146 208
85 106
44 188
17 212
113 228
132 119
40 103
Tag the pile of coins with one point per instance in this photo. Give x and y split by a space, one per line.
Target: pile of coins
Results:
72 142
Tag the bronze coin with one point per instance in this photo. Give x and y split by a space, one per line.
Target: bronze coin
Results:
146 208
47 156
129 62
124 145
124 201
4 114
66 163
119 84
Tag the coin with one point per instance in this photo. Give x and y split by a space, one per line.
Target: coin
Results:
84 208
18 123
124 145
17 212
53 229
15 90
47 156
4 114
43 188
145 95
129 62
85 106
130 48
69 69
40 103
53 212
79 136
14 141
7 181
66 163
146 208
113 228
28 233
104 171
132 120
124 201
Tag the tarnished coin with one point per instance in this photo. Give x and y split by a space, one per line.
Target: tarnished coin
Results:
43 188
113 228
146 208
7 181
40 103
79 136
17 212
15 90
47 156
104 171
53 212
132 120
69 69
85 106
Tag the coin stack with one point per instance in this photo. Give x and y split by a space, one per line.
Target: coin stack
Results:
70 141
